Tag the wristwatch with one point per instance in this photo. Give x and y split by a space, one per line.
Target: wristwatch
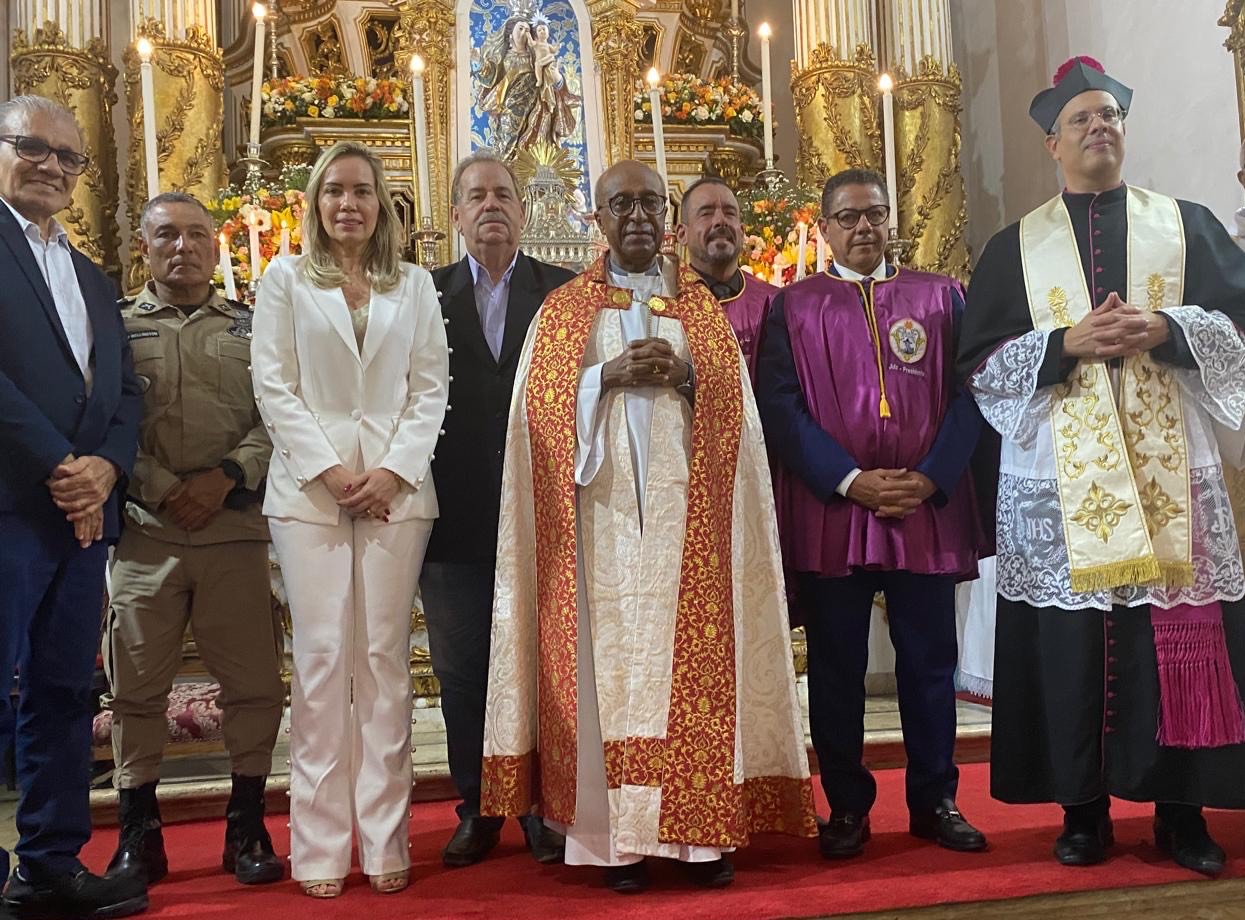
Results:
687 389
235 472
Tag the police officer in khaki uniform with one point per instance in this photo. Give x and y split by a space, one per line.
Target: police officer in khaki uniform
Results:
195 547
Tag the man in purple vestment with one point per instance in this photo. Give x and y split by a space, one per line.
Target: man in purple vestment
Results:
855 385
710 228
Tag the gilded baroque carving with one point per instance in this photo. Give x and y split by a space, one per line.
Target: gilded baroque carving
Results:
932 211
615 36
428 26
836 114
189 83
82 80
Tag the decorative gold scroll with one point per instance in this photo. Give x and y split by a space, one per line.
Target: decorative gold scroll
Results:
932 212
615 37
836 114
427 27
82 80
189 79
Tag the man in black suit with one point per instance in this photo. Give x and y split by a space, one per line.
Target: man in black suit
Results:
69 411
488 299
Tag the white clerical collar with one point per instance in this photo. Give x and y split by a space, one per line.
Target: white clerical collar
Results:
476 268
1240 226
58 232
625 278
878 274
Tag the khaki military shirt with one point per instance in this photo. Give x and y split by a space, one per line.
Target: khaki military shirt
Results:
199 409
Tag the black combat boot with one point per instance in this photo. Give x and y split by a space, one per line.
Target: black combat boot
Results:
248 848
140 849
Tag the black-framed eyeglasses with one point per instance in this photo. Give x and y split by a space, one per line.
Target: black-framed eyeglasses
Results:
33 150
848 218
652 204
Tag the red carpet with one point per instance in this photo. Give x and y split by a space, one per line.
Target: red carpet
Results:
776 877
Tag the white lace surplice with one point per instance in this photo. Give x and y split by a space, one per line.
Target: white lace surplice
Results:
1032 551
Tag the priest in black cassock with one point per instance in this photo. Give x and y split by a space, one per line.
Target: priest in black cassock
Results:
1101 337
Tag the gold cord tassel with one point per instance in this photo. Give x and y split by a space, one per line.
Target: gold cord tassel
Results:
884 408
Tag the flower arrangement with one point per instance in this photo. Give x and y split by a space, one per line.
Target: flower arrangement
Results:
273 208
687 99
290 98
771 217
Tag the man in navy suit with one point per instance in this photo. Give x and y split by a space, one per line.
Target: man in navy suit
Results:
69 412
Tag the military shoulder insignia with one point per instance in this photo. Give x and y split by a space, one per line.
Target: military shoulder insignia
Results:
908 340
241 326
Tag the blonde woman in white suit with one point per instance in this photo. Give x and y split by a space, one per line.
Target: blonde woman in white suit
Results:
351 370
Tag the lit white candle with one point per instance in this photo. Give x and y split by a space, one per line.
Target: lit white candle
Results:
147 82
254 257
801 252
259 11
420 153
821 251
226 269
767 97
285 239
887 85
659 131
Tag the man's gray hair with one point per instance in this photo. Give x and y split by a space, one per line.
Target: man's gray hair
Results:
20 109
172 198
483 155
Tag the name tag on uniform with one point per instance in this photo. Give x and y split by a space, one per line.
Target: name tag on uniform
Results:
144 334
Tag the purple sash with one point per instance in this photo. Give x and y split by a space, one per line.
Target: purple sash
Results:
746 313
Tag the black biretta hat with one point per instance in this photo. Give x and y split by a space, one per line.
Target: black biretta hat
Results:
1077 75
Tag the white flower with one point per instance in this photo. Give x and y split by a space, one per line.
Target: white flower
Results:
700 113
328 112
309 97
745 116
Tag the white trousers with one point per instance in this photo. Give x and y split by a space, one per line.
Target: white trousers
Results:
350 587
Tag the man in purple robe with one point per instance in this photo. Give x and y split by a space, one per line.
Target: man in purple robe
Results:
710 228
855 385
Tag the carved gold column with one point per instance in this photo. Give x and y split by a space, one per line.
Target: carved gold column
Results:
834 87
189 86
1234 18
917 52
66 60
615 37
426 28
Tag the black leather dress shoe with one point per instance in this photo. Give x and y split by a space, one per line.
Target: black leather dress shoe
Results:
630 879
471 842
716 874
74 896
843 836
1084 844
1190 845
948 828
546 845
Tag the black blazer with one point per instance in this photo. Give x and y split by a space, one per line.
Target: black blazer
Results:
45 412
468 464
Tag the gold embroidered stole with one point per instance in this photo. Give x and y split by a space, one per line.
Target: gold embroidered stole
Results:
1122 466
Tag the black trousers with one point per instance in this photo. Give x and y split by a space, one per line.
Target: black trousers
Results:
921 614
458 605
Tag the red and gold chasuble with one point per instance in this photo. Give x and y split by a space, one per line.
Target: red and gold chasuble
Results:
700 721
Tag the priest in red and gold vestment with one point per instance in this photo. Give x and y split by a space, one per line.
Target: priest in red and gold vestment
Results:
641 689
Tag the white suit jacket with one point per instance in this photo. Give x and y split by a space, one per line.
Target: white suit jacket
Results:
325 401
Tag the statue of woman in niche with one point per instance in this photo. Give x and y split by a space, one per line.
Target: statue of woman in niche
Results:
552 119
508 88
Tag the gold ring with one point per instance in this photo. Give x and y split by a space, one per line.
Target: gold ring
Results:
656 369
